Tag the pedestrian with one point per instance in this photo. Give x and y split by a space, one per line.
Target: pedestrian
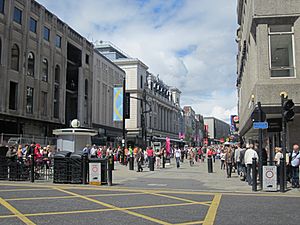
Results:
139 158
237 160
177 156
158 158
93 151
222 157
295 161
243 170
277 158
249 155
150 154
229 157
191 156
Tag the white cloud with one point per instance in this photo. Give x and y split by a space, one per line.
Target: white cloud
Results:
155 31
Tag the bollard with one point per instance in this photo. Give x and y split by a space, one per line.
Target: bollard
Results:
109 170
281 175
113 162
254 175
163 161
209 165
84 168
32 167
151 164
131 163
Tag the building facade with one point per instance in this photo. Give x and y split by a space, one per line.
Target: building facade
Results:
268 63
106 76
156 119
218 130
45 71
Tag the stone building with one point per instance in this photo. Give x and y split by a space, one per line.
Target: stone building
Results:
106 76
161 120
218 130
45 71
268 63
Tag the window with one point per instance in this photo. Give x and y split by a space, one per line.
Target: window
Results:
141 82
282 61
2 6
15 57
29 100
58 41
57 74
46 34
87 59
56 101
30 64
13 93
32 25
18 15
45 70
44 103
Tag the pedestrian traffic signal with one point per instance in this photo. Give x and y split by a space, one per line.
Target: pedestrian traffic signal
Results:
288 110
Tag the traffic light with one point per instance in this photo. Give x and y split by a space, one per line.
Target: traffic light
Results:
288 110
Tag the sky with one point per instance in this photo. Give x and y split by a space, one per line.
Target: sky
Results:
189 43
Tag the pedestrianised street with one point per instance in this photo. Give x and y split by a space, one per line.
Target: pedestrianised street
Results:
188 195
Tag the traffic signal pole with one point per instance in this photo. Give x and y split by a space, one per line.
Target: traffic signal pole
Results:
283 98
260 141
124 133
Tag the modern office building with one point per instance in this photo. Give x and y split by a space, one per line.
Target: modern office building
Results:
268 63
45 71
156 119
218 130
106 76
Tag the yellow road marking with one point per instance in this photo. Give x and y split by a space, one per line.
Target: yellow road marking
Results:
71 196
190 223
101 210
116 208
178 198
16 212
212 211
25 189
162 190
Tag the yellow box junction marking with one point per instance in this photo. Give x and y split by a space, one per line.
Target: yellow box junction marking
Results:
116 208
212 211
16 212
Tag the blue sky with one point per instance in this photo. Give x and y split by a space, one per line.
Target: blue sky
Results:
189 43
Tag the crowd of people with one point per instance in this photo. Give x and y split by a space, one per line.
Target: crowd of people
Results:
19 158
233 158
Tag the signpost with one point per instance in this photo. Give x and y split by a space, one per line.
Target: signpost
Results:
269 178
260 125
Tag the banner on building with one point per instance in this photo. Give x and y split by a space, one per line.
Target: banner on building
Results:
234 123
118 104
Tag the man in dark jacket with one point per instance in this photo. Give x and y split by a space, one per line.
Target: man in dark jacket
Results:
242 163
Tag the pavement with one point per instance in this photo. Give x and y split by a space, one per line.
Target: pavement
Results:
188 195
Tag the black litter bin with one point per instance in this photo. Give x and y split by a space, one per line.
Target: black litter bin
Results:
75 164
61 172
3 163
103 166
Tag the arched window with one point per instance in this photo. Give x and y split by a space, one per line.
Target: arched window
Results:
15 58
57 74
30 64
45 70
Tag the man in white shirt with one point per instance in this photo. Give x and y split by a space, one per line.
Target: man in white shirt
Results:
295 161
177 153
237 159
94 151
249 155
